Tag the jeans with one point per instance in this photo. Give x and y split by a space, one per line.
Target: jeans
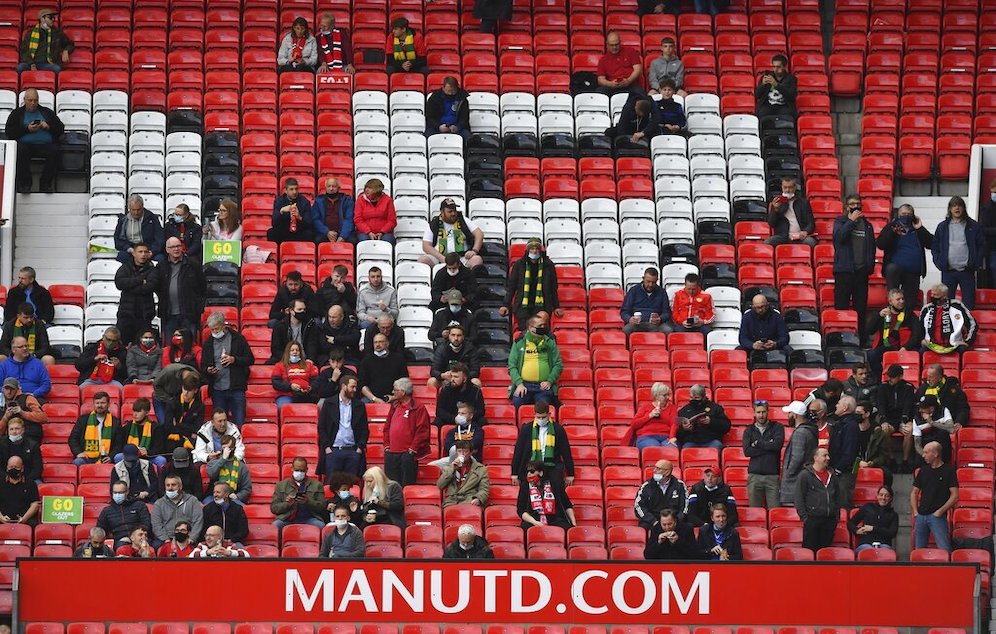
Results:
705 329
852 289
861 547
283 400
387 237
402 467
82 461
714 444
464 133
233 402
533 394
653 441
159 461
109 383
646 326
161 408
23 66
763 491
300 68
925 525
314 521
964 279
345 460
896 277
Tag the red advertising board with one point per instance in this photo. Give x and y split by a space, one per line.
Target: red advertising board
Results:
497 591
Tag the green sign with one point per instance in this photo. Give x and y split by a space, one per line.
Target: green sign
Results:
62 510
223 251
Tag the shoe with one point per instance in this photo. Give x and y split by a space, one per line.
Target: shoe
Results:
47 188
24 189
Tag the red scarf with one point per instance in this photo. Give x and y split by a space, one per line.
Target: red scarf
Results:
544 505
331 46
146 350
298 46
103 371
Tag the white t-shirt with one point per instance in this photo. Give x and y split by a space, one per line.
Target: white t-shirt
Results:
468 241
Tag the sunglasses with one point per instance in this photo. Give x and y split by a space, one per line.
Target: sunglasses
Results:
756 403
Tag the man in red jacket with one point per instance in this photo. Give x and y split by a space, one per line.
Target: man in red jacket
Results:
406 433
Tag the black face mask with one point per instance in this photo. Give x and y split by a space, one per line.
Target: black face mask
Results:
181 537
813 416
542 331
300 315
14 474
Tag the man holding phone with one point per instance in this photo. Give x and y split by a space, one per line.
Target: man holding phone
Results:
692 310
37 130
299 499
853 260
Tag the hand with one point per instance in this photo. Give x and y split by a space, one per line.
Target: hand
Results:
545 385
906 428
716 550
295 387
115 362
444 128
888 429
349 69
143 495
336 373
34 67
213 455
637 136
475 502
406 65
100 358
769 345
671 536
503 311
5 520
569 480
803 235
957 427
885 311
515 480
559 312
520 390
332 235
854 216
291 498
939 513
226 452
212 370
105 460
81 454
227 360
378 399
324 68
655 319
758 345
916 222
634 320
381 305
864 463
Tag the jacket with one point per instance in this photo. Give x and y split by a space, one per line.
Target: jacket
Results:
417 42
307 220
444 317
685 306
888 239
378 374
189 476
964 328
974 236
243 488
328 427
118 520
559 517
475 486
239 371
764 448
314 499
205 442
32 414
231 517
58 42
32 374
367 298
281 336
15 127
309 54
394 512
344 206
346 337
191 287
375 217
731 542
152 234
348 545
755 328
40 296
631 123
661 69
191 234
638 300
120 473
950 396
395 339
701 501
517 355
324 386
464 281
800 448
876 451
448 397
910 333
30 452
76 436
493 10
719 423
513 290
803 214
844 444
884 519
651 499
684 548
478 550
843 256
166 513
522 454
328 295
167 384
143 365
415 431
283 299
436 104
443 358
138 285
894 403
813 499
788 87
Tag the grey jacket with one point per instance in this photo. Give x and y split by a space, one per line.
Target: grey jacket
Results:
142 365
367 298
310 53
662 68
800 448
166 513
244 489
347 545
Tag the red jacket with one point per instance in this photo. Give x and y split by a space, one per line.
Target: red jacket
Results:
378 217
685 306
643 425
410 423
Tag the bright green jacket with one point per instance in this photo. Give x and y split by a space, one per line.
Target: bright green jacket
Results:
516 356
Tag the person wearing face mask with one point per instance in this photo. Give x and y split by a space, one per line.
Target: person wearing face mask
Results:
453 312
174 506
138 474
345 540
297 327
904 262
466 426
543 441
24 407
704 421
95 548
144 358
465 480
341 484
853 259
103 362
343 432
458 389
335 49
454 277
19 501
386 326
374 213
210 436
893 328
456 349
138 546
948 325
26 325
123 514
15 443
294 287
662 491
183 225
181 466
222 509
468 545
138 281
843 445
233 472
226 360
959 250
181 286
182 349
180 546
299 499
216 545
718 539
378 371
791 216
338 337
801 445
292 377
543 500
873 443
97 435
534 365
337 290
532 286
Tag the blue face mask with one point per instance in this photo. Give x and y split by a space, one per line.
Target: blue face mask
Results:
118 498
295 358
906 220
177 218
534 256
343 495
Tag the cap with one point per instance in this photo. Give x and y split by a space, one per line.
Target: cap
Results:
12 382
455 296
795 407
712 467
43 12
895 370
927 401
130 452
181 457
534 242
448 203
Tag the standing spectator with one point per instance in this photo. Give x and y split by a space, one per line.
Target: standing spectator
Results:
406 434
817 501
226 360
662 491
123 515
670 539
298 49
137 473
692 309
25 406
791 217
935 492
712 7
904 261
648 7
948 325
543 441
172 381
337 290
853 259
174 506
29 290
137 226
138 281
776 92
490 13
296 327
707 494
375 299
32 330
144 360
543 500
468 545
374 213
844 439
37 130
333 213
30 373
95 436
987 220
454 277
718 539
15 443
227 225
959 251
450 232
876 524
225 512
456 349
453 313
762 444
343 432
702 422
802 443
655 424
894 328
379 371
645 307
294 287
405 49
293 220
335 48
873 443
183 225
667 66
181 287
620 68
447 110
534 365
533 285
45 46
763 328
465 480
345 541
299 499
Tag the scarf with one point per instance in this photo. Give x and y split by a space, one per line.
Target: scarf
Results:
442 238
890 330
544 505
529 286
140 434
940 327
183 234
103 372
177 353
146 349
461 473
34 41
297 46
97 443
404 49
936 390
331 45
229 473
542 454
27 333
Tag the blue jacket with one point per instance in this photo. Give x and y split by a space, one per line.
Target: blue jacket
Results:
843 258
303 206
637 300
973 235
152 233
755 328
31 374
346 226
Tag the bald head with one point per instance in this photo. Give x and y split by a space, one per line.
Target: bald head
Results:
31 99
760 304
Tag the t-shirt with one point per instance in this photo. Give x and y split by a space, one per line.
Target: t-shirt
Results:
823 434
16 499
858 237
619 65
38 137
428 236
935 487
957 246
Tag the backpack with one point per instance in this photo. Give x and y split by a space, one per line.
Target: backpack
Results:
583 81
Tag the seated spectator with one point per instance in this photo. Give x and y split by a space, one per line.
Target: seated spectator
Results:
294 287
454 277
543 500
534 365
183 226
948 392
468 545
692 309
648 7
873 442
337 290
103 362
467 426
138 474
340 485
139 433
329 381
138 281
667 66
959 251
818 500
223 510
791 216
638 121
29 371
375 299
709 493
763 328
19 500
182 467
96 436
645 307
904 262
343 432
661 492
776 92
181 415
458 388
138 546
450 232
18 404
859 384
94 548
15 443
465 480
655 424
456 349
138 226
383 501
37 130
296 327
293 220
718 539
180 545
620 68
228 469
385 326
299 499
701 423
333 212
672 113
298 50
345 540
406 435
29 290
876 524
210 437
405 49
34 332
894 400
935 492
379 371
893 328
933 423
335 48
227 225
452 314
544 442
174 506
45 46
374 213
447 110
123 515
947 324
670 539
182 349
144 358
338 336
532 285
214 545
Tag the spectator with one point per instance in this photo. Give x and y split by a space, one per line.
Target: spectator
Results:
645 307
30 372
791 218
138 281
853 259
214 545
340 485
345 541
672 113
533 284
663 491
174 506
94 548
374 213
298 50
762 445
987 219
383 499
543 500
456 349
406 435
818 410
211 435
337 290
138 546
817 501
447 111
620 68
450 232
296 327
227 225
933 424
223 511
405 49
465 480
763 328
226 360
29 290
904 262
801 445
894 400
894 328
859 384
379 371
876 524
454 277
138 226
702 423
181 286
468 545
298 499
718 540
228 469
293 220
947 324
640 120
180 546
329 380
173 381
655 424
829 392
343 432
692 309
45 46
948 392
22 405
452 314
543 441
667 66
775 94
670 539
139 433
95 436
844 440
375 299
490 13
935 492
467 427
339 337
959 251
124 514
294 287
137 473
144 358
181 349
15 443
648 7
710 492
34 332
457 389
873 443
534 364
183 226
36 129
712 7
181 467
387 327
335 48
333 212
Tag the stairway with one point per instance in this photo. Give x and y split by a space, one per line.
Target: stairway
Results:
50 234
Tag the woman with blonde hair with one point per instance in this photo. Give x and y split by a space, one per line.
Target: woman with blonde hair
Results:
227 225
383 501
655 423
374 214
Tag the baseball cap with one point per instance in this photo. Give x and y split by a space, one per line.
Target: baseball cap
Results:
43 12
130 452
795 407
712 467
181 457
454 296
895 370
12 382
448 203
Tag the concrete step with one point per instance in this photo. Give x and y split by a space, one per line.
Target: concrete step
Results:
52 223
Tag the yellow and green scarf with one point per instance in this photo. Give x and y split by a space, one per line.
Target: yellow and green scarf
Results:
229 474
404 49
97 437
529 285
459 240
543 454
35 40
28 333
140 434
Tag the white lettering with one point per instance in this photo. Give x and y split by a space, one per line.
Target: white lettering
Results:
700 586
619 592
296 586
577 592
545 591
358 589
490 581
436 591
415 598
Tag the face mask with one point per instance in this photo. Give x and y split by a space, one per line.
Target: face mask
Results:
534 256
177 218
993 196
380 353
299 314
177 340
455 308
789 195
129 463
45 26
148 343
542 331
118 498
460 419
455 347
906 220
341 523
542 422
220 501
532 478
658 477
172 494
218 335
299 476
181 537
295 358
465 546
813 416
452 273
14 473
343 495
14 438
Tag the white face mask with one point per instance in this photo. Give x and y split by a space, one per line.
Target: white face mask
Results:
542 422
14 438
460 419
118 498
178 218
294 358
466 546
299 476
340 523
658 477
455 308
172 494
533 256
148 343
452 273
218 335
789 195
381 353
220 501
